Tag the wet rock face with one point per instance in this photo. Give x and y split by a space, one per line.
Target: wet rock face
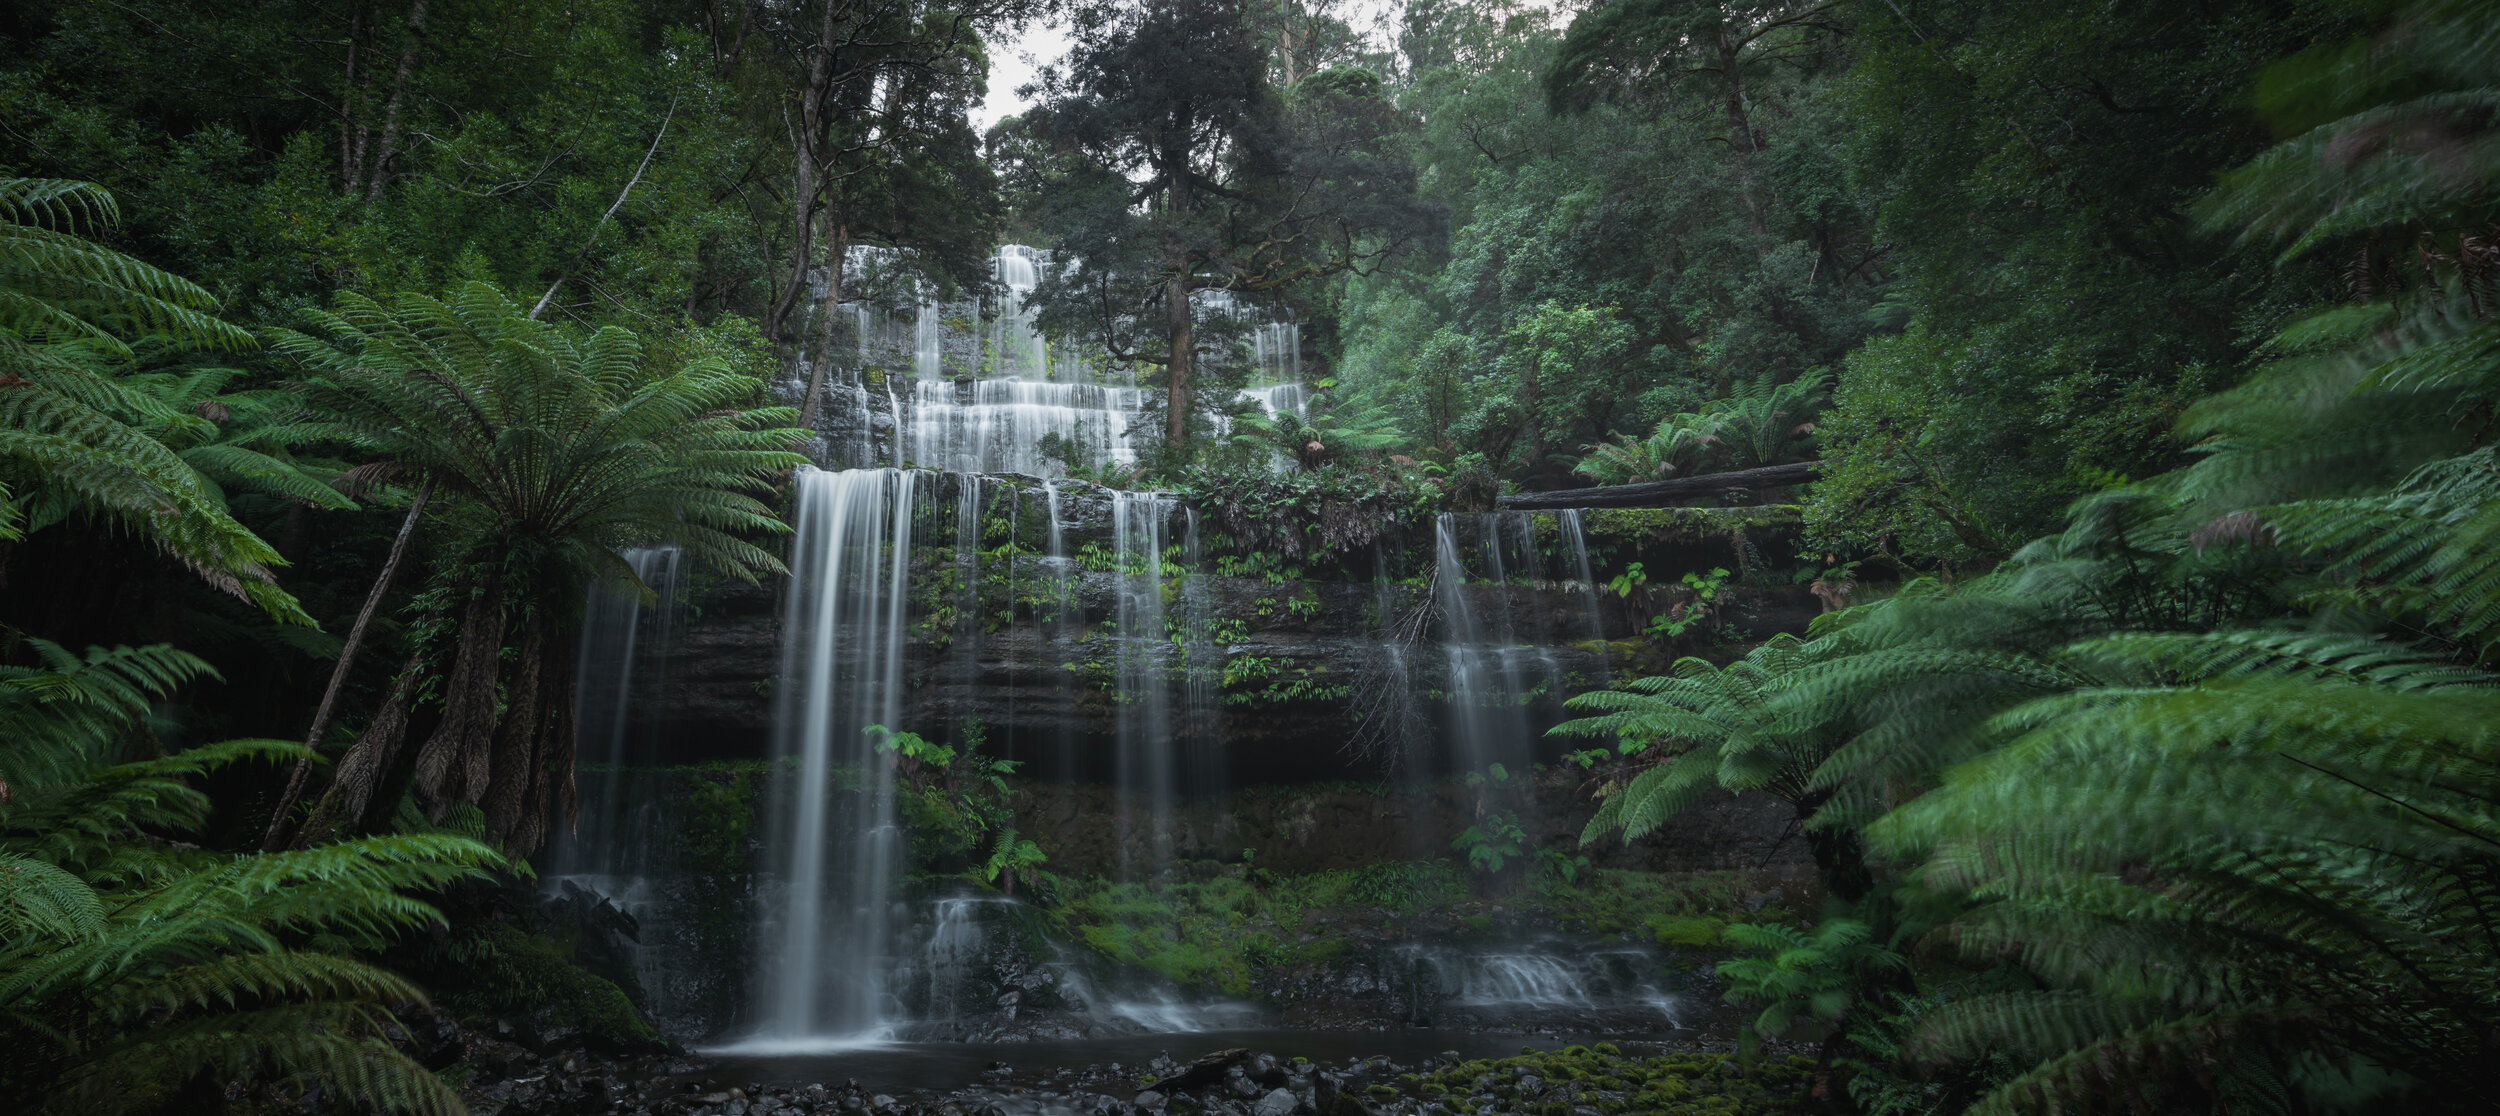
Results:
1318 830
713 698
1270 681
1292 660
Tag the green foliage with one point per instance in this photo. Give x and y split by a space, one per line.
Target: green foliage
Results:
1012 858
1704 728
954 801
1666 240
551 450
1683 616
1800 976
1309 514
1330 430
2208 774
551 439
1763 423
2056 307
80 433
133 965
1493 842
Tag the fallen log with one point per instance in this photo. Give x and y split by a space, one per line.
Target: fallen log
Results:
1662 493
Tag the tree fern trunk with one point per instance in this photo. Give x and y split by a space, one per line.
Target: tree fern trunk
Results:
455 762
551 770
341 809
513 769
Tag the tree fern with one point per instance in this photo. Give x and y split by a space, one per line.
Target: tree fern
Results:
77 433
550 451
130 965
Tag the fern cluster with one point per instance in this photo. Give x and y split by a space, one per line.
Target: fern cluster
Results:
2209 782
133 968
82 432
1761 422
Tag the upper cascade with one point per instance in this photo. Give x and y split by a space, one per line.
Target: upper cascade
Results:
972 385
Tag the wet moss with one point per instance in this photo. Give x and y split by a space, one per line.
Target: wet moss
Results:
1682 524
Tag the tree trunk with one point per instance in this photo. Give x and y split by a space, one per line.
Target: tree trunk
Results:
350 98
1740 133
803 177
1841 858
341 809
837 248
455 763
328 708
389 148
1184 351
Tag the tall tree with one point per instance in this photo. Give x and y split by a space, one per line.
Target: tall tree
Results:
1167 164
1718 48
876 87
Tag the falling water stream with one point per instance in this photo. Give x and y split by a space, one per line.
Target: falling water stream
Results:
836 954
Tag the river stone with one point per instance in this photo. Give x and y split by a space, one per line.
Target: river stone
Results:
1276 1103
1149 1100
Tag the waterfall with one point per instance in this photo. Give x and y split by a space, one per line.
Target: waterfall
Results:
927 342
1276 355
1576 543
969 389
1486 688
823 963
1146 764
615 662
997 426
1016 348
1531 982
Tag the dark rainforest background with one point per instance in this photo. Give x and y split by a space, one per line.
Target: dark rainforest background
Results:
2127 373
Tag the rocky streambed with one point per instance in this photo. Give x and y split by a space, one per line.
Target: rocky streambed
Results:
1596 1079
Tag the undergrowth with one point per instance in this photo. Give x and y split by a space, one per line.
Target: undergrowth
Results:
1221 931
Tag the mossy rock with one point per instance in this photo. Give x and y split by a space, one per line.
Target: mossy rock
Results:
1671 1085
496 970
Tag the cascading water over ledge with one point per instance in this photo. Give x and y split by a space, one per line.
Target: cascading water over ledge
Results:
901 572
826 947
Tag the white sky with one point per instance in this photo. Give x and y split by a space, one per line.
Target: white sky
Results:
1014 63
